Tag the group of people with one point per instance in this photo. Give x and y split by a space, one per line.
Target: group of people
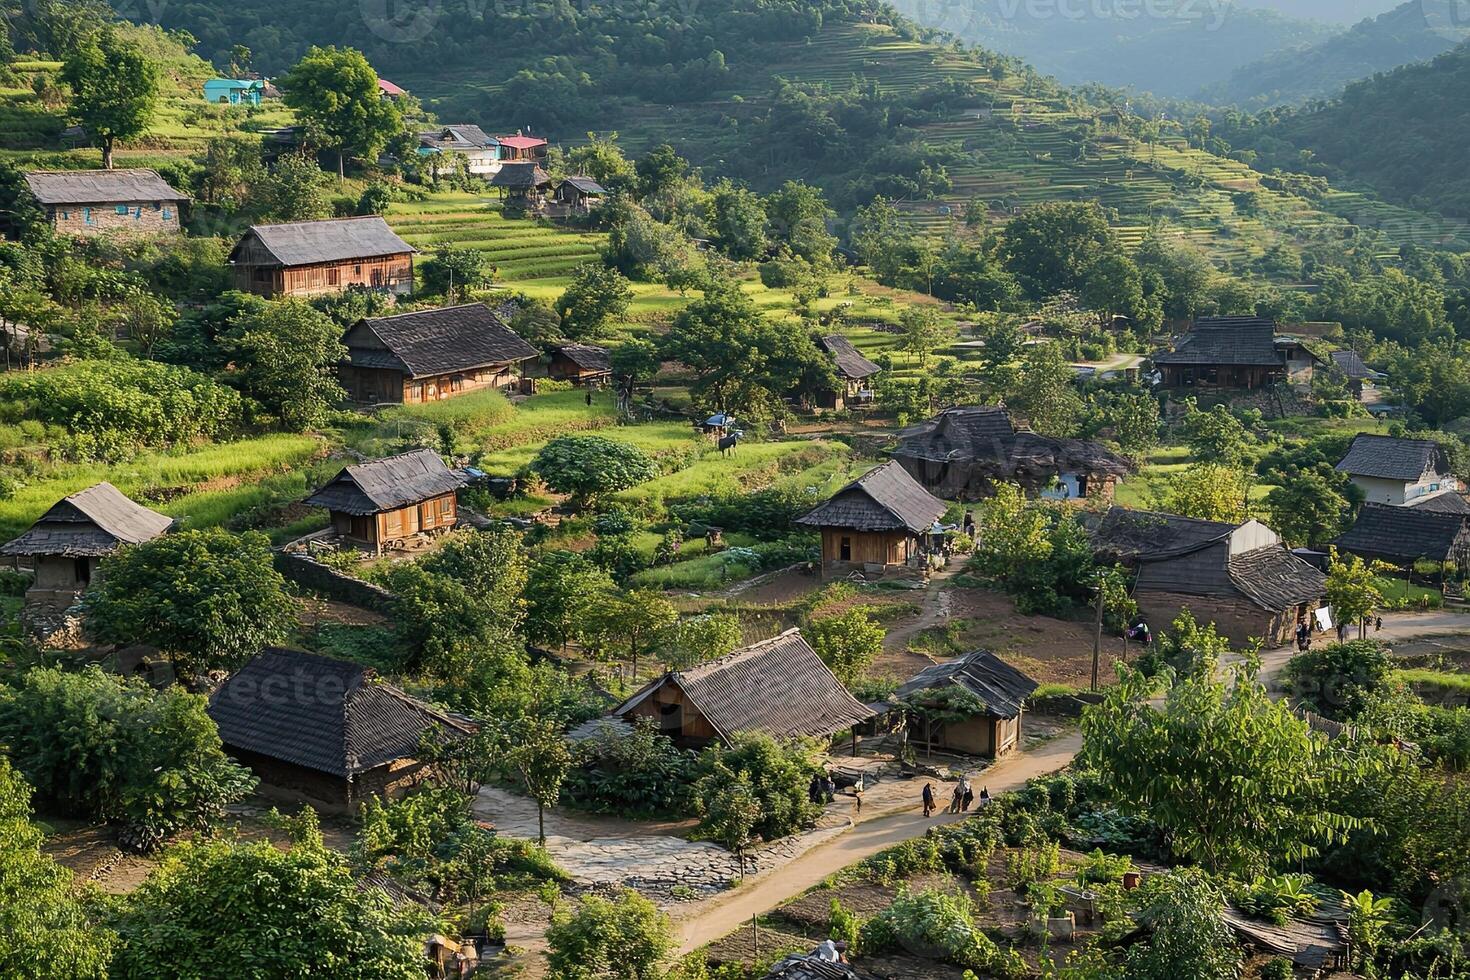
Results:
961 799
823 790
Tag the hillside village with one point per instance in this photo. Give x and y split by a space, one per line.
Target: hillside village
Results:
435 548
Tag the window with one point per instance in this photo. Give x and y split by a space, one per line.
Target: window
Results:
168 215
844 552
122 209
66 216
446 506
82 569
334 277
157 205
357 270
87 215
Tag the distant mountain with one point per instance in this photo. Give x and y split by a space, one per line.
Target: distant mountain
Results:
1342 12
1406 134
1416 31
1185 46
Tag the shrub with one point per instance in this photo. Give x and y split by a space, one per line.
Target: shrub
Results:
930 924
622 938
780 774
641 774
1102 869
1032 866
1340 679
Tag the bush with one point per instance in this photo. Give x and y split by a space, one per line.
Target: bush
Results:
1341 679
779 772
148 760
931 924
589 466
766 514
622 938
638 775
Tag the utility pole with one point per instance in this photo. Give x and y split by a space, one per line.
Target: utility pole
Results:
1097 637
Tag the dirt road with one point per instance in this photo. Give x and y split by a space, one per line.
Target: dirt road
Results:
706 921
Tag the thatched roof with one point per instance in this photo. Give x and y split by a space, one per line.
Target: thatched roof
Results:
333 240
777 686
588 357
1130 536
89 524
59 187
520 176
1003 688
324 714
1245 341
883 499
850 363
1391 458
1405 534
1273 578
434 342
387 484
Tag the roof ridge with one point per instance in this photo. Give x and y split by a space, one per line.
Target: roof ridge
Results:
734 656
321 221
436 309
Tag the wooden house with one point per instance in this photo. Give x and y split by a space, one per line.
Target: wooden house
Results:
388 502
94 202
1404 536
1001 690
63 547
308 258
580 194
853 371
1239 577
581 364
1234 352
1400 472
964 452
777 686
478 149
430 355
874 523
325 731
522 184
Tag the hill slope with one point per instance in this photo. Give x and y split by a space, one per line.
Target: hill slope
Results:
1415 31
1171 56
1406 134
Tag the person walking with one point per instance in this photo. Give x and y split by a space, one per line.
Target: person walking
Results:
857 794
968 798
984 797
959 794
928 800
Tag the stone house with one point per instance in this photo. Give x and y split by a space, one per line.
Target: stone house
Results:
325 731
95 202
994 731
309 258
386 503
876 523
430 355
62 549
1399 472
1239 577
777 686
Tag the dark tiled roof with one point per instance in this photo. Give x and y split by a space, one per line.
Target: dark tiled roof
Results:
850 362
1247 341
387 484
883 499
324 714
1448 502
520 175
586 185
431 342
334 240
1131 536
1003 688
1403 534
99 186
808 967
959 433
1389 458
89 523
1350 363
458 136
587 357
778 686
1274 578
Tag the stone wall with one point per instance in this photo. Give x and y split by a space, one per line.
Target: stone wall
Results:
149 218
307 571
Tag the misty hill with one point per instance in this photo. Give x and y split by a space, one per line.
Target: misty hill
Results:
1415 31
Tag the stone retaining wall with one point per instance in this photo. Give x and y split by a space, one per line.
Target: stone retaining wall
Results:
307 571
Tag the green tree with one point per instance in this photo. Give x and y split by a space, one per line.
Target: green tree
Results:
114 89
537 324
601 159
1047 393
295 190
285 356
701 638
1051 246
778 772
1353 589
595 295
588 467
739 221
797 216
561 589
635 621
1309 507
731 815
636 359
1215 436
206 598
335 93
1134 419
1208 492
1341 680
847 642
1183 913
297 912
455 271
1235 779
45 933
921 330
148 760
621 938
1113 286
540 757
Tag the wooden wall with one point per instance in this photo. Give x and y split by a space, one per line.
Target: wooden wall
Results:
864 547
435 514
393 272
380 386
675 717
